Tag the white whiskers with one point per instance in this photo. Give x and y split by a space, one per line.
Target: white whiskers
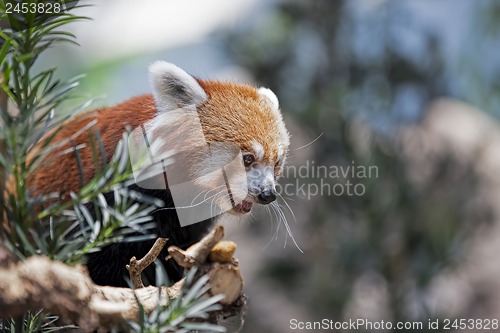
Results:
281 219
205 199
310 143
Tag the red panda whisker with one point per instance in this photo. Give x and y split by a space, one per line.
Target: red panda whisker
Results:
184 207
289 231
216 196
218 188
274 236
206 193
212 205
289 208
282 219
278 219
310 143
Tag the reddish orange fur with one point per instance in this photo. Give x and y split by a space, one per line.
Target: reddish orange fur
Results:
236 113
61 173
232 113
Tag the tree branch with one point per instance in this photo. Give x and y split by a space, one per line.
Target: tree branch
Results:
197 254
68 292
135 267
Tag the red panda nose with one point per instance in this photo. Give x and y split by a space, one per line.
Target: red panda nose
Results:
267 196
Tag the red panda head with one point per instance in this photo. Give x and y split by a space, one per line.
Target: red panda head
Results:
206 119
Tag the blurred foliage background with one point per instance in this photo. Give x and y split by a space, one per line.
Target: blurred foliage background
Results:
392 84
337 65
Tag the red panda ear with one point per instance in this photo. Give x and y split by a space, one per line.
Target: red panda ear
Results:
271 99
173 88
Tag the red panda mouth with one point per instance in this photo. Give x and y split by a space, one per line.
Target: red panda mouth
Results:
243 207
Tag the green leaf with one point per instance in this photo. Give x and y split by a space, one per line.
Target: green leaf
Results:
4 50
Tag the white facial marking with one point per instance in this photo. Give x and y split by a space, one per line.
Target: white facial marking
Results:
258 150
281 151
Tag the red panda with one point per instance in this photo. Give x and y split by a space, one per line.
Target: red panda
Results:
242 115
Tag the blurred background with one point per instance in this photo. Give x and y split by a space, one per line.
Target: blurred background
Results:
410 89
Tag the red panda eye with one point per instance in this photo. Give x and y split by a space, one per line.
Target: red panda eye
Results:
248 160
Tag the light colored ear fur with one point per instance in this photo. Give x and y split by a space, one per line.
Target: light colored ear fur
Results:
270 97
173 88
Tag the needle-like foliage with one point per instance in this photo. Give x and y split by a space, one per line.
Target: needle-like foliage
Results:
31 114
186 313
31 101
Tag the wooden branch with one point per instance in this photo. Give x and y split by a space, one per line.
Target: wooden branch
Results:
198 253
70 293
115 305
27 285
135 267
225 276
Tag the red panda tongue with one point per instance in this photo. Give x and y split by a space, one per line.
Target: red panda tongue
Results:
244 206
